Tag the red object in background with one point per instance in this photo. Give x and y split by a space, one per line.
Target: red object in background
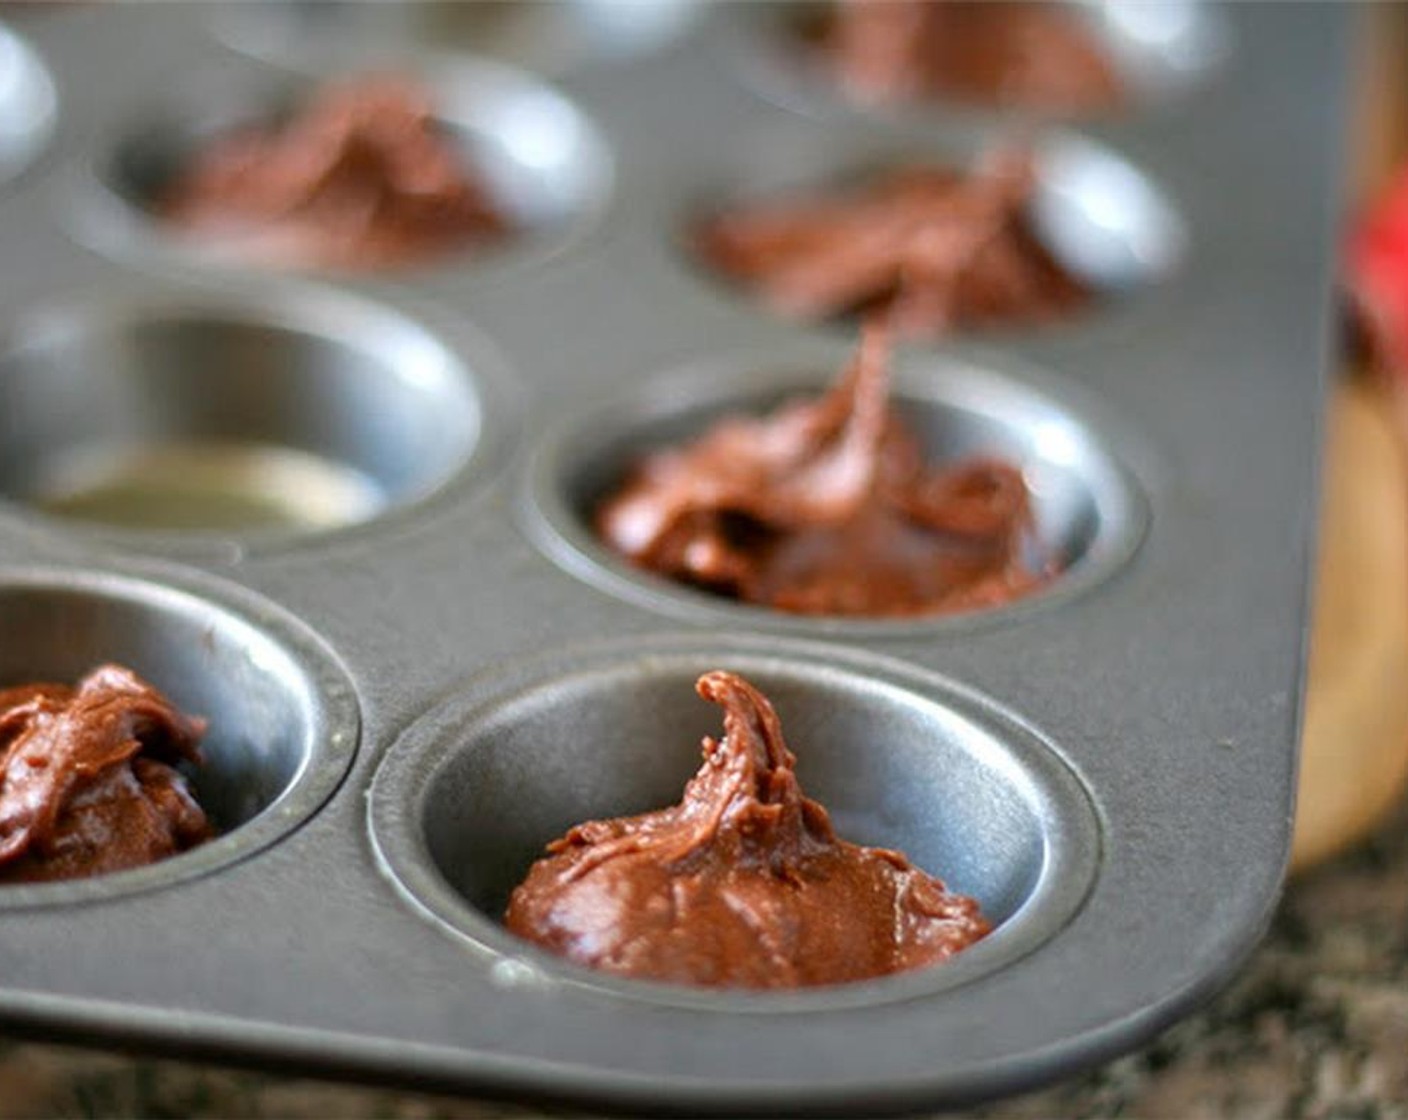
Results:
1378 275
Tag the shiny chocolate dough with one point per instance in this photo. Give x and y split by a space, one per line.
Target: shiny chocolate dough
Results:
934 249
827 507
1035 55
87 778
742 884
360 179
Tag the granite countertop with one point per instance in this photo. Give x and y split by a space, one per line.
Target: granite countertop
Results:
1316 1026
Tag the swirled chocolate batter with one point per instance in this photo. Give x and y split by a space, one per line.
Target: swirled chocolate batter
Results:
88 782
360 179
827 507
1035 55
935 249
744 883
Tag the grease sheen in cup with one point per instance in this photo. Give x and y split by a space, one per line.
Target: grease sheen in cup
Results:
183 414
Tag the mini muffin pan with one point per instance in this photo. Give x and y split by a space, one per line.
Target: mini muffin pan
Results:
347 519
1089 512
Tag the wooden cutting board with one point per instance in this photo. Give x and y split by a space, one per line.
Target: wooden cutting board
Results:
1354 752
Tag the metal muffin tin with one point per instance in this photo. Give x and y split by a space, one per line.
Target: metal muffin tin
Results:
1109 767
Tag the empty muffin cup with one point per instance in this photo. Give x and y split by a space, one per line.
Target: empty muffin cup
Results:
28 104
264 417
1088 515
542 170
466 801
1147 52
281 712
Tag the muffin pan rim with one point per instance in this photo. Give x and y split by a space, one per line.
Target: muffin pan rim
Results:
411 765
334 726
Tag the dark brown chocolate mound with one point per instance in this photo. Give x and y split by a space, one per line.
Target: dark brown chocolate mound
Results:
1024 53
361 178
744 883
935 249
827 507
88 782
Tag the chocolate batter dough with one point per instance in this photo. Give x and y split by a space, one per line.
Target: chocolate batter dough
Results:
827 507
1030 54
936 249
361 179
742 884
87 778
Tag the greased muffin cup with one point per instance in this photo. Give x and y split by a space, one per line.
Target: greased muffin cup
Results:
281 713
539 159
1089 514
470 796
1158 54
346 517
1100 217
173 416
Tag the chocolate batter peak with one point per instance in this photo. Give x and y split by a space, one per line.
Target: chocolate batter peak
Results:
360 179
933 248
1034 55
744 883
87 778
827 507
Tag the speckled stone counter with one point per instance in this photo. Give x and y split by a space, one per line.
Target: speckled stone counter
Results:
1316 1027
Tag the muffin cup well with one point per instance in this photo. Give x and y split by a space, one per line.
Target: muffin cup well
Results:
1090 517
542 160
282 715
1099 216
178 415
465 801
